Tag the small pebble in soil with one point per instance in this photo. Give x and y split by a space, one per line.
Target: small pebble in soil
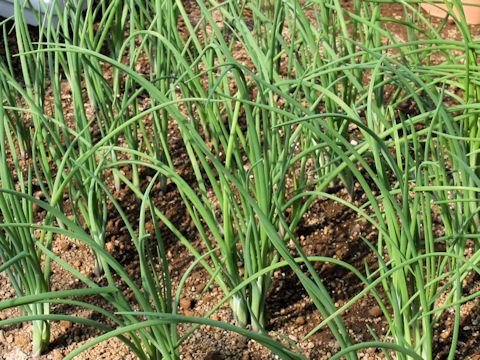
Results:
300 320
186 304
375 311
77 263
445 334
63 246
109 246
22 341
65 325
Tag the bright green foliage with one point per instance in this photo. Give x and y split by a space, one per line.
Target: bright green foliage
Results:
249 110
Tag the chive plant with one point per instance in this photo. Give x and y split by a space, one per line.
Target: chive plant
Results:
469 124
330 37
28 275
251 128
147 324
158 340
28 151
240 128
200 213
413 175
455 192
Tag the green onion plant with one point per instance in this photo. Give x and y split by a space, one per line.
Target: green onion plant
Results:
28 275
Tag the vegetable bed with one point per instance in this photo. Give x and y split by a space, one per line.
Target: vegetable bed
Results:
239 180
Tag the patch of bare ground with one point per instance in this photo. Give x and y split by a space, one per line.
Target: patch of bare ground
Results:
328 229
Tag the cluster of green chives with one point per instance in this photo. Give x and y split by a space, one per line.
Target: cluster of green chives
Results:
270 103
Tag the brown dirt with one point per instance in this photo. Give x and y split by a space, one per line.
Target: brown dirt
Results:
329 229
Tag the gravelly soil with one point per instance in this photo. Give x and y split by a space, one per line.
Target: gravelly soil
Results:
329 229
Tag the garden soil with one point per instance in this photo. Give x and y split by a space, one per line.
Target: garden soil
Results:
328 229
